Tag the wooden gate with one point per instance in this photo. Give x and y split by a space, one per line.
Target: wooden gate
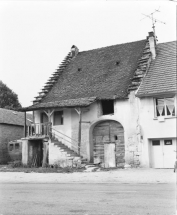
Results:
108 132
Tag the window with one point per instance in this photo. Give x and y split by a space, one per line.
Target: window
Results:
17 146
58 118
165 107
107 106
11 147
168 142
156 142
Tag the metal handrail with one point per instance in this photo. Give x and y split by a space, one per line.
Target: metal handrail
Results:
65 140
64 135
76 148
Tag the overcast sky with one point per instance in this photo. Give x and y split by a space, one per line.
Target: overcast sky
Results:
37 35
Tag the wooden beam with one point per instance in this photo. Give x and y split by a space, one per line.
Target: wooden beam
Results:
79 111
24 124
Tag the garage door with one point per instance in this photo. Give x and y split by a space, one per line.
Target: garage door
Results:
163 153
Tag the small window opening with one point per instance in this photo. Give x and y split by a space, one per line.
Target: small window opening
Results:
156 142
11 147
115 137
168 142
17 146
58 118
107 106
117 62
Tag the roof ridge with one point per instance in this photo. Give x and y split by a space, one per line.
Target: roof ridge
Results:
112 46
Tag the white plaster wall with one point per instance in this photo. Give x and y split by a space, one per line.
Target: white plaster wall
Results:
151 127
89 115
37 116
65 128
127 113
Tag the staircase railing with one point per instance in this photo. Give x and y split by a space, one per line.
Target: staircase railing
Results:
67 139
46 130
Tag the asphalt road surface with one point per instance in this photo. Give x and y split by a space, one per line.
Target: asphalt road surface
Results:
87 199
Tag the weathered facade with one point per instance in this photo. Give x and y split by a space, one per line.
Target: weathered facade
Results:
93 107
11 128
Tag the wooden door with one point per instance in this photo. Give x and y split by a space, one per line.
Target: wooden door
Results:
108 132
109 155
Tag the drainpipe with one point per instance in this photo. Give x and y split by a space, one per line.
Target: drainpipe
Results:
25 124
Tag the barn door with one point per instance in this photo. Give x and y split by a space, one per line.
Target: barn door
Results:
108 144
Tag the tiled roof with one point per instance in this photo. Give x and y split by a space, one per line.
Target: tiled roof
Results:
104 73
14 117
161 76
82 102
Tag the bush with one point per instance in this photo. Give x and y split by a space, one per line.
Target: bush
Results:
15 164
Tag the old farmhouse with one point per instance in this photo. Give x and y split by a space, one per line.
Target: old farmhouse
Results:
114 106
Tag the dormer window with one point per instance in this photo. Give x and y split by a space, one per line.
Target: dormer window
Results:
165 107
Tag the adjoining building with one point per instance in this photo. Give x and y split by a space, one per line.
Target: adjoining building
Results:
12 129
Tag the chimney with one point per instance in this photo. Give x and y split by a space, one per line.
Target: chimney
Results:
74 51
152 44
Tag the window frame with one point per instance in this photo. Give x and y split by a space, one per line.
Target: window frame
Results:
62 118
165 105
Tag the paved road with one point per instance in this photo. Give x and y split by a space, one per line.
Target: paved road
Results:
87 199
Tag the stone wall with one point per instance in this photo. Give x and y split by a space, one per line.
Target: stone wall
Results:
7 134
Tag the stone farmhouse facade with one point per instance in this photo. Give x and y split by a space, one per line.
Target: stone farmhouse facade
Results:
112 106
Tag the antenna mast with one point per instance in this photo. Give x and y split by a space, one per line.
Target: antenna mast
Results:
150 16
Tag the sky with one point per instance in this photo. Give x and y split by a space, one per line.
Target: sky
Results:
37 35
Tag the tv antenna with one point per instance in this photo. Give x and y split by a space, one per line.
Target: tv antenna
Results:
154 20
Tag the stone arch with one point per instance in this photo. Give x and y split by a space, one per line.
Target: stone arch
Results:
107 130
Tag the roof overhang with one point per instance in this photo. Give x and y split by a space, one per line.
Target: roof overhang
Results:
70 103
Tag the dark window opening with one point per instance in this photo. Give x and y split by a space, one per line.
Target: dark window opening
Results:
115 137
17 146
11 147
58 118
117 63
156 142
168 142
107 106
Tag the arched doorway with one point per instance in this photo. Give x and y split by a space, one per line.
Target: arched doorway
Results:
108 144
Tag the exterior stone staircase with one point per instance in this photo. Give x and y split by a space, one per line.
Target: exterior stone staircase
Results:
62 155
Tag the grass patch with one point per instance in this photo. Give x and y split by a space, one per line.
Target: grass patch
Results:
26 169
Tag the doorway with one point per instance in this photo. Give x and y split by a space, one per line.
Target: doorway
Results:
36 153
108 144
163 153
